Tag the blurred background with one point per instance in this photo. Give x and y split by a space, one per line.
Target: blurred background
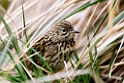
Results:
100 38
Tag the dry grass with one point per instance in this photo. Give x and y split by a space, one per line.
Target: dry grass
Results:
106 46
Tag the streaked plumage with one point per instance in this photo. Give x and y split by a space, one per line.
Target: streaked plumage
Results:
55 45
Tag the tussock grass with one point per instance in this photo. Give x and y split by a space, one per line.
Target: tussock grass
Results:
99 55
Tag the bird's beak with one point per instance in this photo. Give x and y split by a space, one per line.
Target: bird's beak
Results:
73 31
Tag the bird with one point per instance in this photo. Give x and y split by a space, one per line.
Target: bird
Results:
55 45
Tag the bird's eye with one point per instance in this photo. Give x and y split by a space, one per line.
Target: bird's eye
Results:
64 31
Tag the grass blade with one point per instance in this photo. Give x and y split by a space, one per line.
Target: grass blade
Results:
17 49
4 52
83 7
10 33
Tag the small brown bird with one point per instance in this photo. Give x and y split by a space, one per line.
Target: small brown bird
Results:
55 45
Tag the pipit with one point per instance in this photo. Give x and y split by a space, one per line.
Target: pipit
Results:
55 45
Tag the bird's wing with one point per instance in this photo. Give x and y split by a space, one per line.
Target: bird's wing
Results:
47 50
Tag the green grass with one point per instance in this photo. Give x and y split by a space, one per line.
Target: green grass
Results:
96 56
